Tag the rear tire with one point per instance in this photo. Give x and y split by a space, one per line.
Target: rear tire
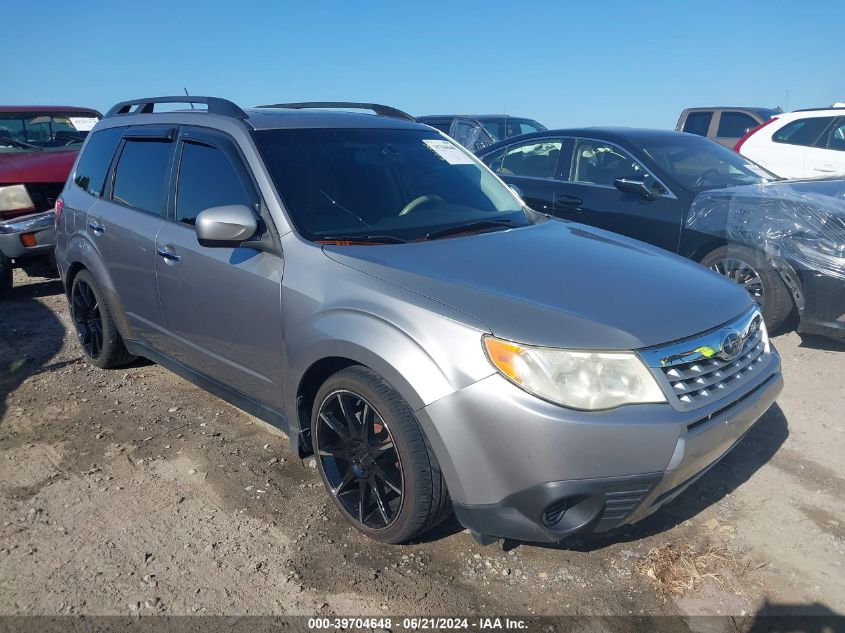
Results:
6 281
404 493
95 328
742 264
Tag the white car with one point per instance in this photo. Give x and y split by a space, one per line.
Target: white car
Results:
800 144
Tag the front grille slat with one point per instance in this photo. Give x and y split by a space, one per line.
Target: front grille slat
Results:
703 380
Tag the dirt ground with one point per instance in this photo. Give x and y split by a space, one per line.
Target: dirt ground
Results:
134 492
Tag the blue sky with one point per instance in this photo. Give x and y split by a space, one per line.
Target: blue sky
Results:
563 63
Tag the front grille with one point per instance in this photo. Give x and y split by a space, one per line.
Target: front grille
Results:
701 381
701 370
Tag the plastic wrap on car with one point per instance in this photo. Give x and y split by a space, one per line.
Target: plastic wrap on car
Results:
799 224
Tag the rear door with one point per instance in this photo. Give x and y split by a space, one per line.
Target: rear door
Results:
589 188
731 125
532 167
788 152
221 306
827 156
123 226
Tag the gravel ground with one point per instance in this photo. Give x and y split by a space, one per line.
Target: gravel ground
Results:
133 492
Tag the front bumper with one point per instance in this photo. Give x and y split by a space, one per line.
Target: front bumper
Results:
40 225
824 305
518 467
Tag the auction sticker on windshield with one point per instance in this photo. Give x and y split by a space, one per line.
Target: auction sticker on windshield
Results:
83 123
448 152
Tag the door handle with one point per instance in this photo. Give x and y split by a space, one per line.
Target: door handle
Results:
169 256
828 169
96 227
568 201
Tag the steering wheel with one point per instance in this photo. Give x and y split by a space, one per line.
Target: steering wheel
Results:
419 201
708 175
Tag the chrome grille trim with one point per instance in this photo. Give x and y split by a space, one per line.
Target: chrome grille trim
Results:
701 370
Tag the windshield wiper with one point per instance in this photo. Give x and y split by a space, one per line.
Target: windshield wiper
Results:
470 226
23 144
370 239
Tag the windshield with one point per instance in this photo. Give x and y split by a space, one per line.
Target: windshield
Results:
503 128
383 185
698 163
44 131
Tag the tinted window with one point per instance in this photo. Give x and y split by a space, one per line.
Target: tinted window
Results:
206 179
802 131
836 137
49 131
400 184
504 128
91 171
140 180
598 163
735 124
537 159
698 123
699 163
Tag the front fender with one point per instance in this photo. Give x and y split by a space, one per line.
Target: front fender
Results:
423 362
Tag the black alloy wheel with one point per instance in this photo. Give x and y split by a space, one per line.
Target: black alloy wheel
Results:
87 318
359 459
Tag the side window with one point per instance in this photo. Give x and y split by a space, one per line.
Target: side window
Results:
536 159
735 124
140 180
207 179
836 138
90 174
597 163
802 131
698 123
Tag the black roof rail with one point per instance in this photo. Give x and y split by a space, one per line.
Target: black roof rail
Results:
216 105
381 110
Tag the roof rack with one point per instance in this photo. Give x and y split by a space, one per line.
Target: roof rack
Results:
381 110
820 109
216 105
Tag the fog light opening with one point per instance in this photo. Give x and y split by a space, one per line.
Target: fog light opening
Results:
554 513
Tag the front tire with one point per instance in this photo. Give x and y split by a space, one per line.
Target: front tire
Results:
374 459
750 269
95 328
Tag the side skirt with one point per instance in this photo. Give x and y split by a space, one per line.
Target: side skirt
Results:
235 398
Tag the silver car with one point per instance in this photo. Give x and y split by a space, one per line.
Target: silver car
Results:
371 288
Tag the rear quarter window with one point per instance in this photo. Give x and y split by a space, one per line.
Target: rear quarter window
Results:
698 123
93 165
803 131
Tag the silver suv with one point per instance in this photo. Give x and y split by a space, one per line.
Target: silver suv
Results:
371 288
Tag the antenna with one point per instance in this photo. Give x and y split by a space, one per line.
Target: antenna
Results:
187 95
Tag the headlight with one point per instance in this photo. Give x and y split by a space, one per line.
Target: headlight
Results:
15 198
575 379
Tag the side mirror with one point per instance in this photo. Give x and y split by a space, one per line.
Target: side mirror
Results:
225 226
632 185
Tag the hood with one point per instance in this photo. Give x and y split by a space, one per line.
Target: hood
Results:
559 284
32 167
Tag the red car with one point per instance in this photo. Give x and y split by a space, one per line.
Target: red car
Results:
38 145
